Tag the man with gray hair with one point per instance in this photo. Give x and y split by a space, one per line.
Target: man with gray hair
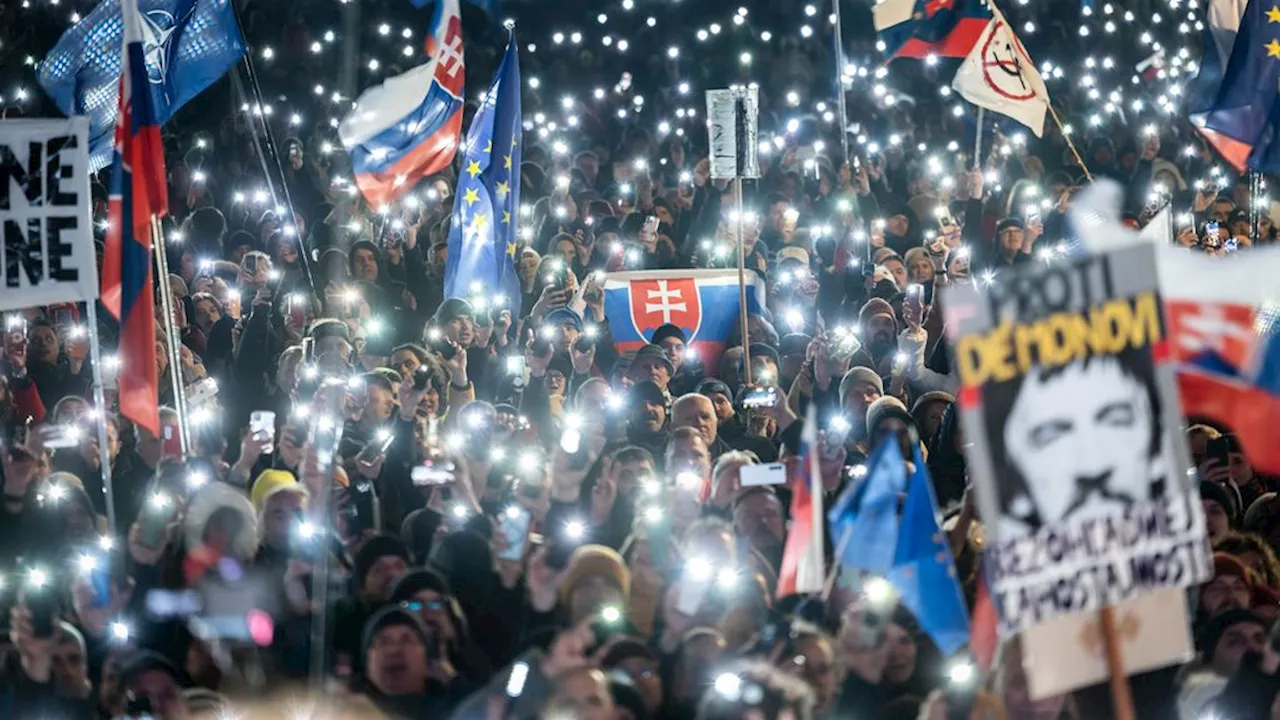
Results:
696 411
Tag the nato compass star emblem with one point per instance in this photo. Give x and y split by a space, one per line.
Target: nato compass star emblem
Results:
158 27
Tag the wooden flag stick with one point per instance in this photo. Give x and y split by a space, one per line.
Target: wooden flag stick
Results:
1121 699
1067 136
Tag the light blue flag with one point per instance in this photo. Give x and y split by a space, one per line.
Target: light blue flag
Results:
924 573
864 519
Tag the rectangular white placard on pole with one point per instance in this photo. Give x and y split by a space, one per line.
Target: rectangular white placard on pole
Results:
46 233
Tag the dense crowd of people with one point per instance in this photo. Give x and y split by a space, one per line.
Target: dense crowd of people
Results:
397 504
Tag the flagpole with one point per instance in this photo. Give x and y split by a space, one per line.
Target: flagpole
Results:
1067 136
840 99
100 405
1255 187
977 141
174 339
830 583
1121 698
742 284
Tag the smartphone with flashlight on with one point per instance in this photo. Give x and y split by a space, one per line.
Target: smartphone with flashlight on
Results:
158 511
759 396
262 424
514 525
915 298
41 598
376 449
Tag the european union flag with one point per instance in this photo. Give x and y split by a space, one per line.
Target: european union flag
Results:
1245 102
864 519
187 44
924 573
482 235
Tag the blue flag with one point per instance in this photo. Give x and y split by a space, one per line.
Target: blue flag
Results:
1244 106
864 519
187 44
924 573
483 233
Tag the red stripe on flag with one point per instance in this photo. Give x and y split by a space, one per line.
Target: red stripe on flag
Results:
798 535
1160 352
968 397
1233 151
139 388
983 638
958 43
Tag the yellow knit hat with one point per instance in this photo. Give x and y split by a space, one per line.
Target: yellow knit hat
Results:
269 480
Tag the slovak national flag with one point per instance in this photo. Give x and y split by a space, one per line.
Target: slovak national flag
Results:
409 127
702 303
802 565
137 197
920 28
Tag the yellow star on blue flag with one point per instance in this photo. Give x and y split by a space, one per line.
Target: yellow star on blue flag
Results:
1244 106
482 250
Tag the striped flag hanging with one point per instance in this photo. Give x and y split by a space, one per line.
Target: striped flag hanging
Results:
137 195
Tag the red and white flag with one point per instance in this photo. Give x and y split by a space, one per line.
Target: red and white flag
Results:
802 566
999 75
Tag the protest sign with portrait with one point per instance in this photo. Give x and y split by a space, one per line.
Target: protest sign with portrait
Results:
1068 395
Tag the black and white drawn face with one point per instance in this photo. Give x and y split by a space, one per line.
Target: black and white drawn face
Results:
1082 439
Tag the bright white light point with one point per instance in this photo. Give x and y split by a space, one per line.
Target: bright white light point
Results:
268 53
575 529
960 673
877 590
728 685
119 631
384 29
745 58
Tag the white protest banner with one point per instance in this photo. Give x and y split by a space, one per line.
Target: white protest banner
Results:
999 75
1068 653
733 130
1067 389
45 213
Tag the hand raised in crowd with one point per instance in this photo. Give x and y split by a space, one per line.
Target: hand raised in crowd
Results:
551 298
288 447
702 172
145 554
456 366
15 352
582 360
96 619
251 449
543 581
35 653
536 363
862 181
976 181
19 467
568 651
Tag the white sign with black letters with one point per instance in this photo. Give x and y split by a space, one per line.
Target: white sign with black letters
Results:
45 213
733 132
